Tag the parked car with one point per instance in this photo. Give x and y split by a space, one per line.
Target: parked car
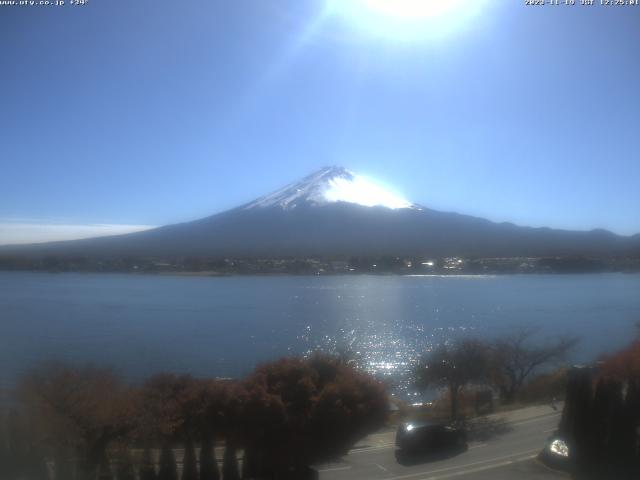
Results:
424 437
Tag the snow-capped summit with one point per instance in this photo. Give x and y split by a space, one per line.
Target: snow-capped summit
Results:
331 185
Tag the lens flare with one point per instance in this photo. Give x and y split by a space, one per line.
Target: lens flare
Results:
412 9
407 19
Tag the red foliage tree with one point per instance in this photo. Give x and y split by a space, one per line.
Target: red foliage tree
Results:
624 365
82 409
602 426
301 411
181 408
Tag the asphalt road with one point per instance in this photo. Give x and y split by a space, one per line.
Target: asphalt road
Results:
500 451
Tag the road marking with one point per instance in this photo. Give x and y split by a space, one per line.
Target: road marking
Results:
504 457
534 419
371 449
381 467
335 469
479 445
480 469
391 445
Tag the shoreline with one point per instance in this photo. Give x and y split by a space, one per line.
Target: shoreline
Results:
214 274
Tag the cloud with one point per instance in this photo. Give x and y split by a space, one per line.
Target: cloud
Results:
16 232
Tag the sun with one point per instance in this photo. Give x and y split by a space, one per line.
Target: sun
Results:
407 19
411 9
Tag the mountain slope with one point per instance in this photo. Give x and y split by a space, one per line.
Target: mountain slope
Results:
335 212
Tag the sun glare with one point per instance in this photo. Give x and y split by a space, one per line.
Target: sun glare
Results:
363 192
407 19
412 9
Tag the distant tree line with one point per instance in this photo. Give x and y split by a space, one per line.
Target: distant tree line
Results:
85 423
339 264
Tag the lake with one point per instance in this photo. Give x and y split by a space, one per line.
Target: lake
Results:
142 324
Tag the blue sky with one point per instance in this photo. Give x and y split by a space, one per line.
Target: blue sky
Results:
153 112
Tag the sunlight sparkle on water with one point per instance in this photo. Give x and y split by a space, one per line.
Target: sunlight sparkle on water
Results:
389 350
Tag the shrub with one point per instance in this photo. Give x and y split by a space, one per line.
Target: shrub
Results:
147 466
189 468
168 469
303 411
545 387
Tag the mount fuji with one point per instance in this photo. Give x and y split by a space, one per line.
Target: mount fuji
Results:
337 212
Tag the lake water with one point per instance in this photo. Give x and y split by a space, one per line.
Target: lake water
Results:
143 324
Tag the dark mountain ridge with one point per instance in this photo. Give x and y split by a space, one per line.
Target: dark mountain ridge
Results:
310 219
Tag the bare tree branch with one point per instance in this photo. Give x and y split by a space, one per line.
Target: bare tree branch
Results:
516 357
453 368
